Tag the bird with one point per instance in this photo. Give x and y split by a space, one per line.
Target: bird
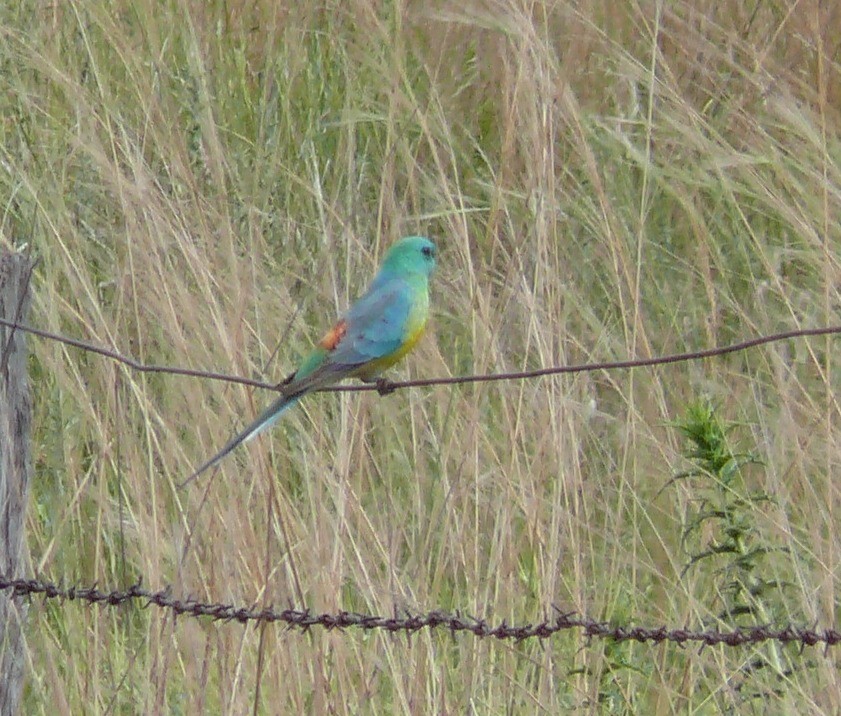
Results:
381 327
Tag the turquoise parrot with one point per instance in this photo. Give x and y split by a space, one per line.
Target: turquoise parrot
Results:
375 332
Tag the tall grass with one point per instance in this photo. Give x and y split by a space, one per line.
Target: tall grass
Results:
205 183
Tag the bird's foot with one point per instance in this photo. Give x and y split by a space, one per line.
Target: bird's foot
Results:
385 386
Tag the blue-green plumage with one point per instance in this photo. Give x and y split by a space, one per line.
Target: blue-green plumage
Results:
379 329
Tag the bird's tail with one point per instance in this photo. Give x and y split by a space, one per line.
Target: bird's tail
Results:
266 419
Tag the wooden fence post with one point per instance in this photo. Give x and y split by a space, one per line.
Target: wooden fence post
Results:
15 473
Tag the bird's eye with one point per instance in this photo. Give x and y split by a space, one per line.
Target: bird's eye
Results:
428 251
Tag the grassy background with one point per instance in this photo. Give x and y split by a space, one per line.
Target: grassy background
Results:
206 181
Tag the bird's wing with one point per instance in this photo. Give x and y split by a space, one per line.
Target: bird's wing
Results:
374 327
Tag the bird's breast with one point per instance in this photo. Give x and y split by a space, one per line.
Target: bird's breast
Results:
413 329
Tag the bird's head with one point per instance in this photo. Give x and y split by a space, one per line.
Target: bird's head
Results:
413 254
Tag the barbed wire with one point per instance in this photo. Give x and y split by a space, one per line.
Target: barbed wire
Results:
305 619
436 619
389 386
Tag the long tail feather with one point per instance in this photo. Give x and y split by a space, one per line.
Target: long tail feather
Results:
266 419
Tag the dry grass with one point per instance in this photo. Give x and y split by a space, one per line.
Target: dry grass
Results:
205 180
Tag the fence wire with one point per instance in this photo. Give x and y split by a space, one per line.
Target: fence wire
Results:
434 620
389 386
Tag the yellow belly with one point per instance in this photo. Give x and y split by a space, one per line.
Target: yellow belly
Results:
415 326
373 369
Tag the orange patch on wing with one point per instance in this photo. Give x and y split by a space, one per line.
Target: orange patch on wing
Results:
334 336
